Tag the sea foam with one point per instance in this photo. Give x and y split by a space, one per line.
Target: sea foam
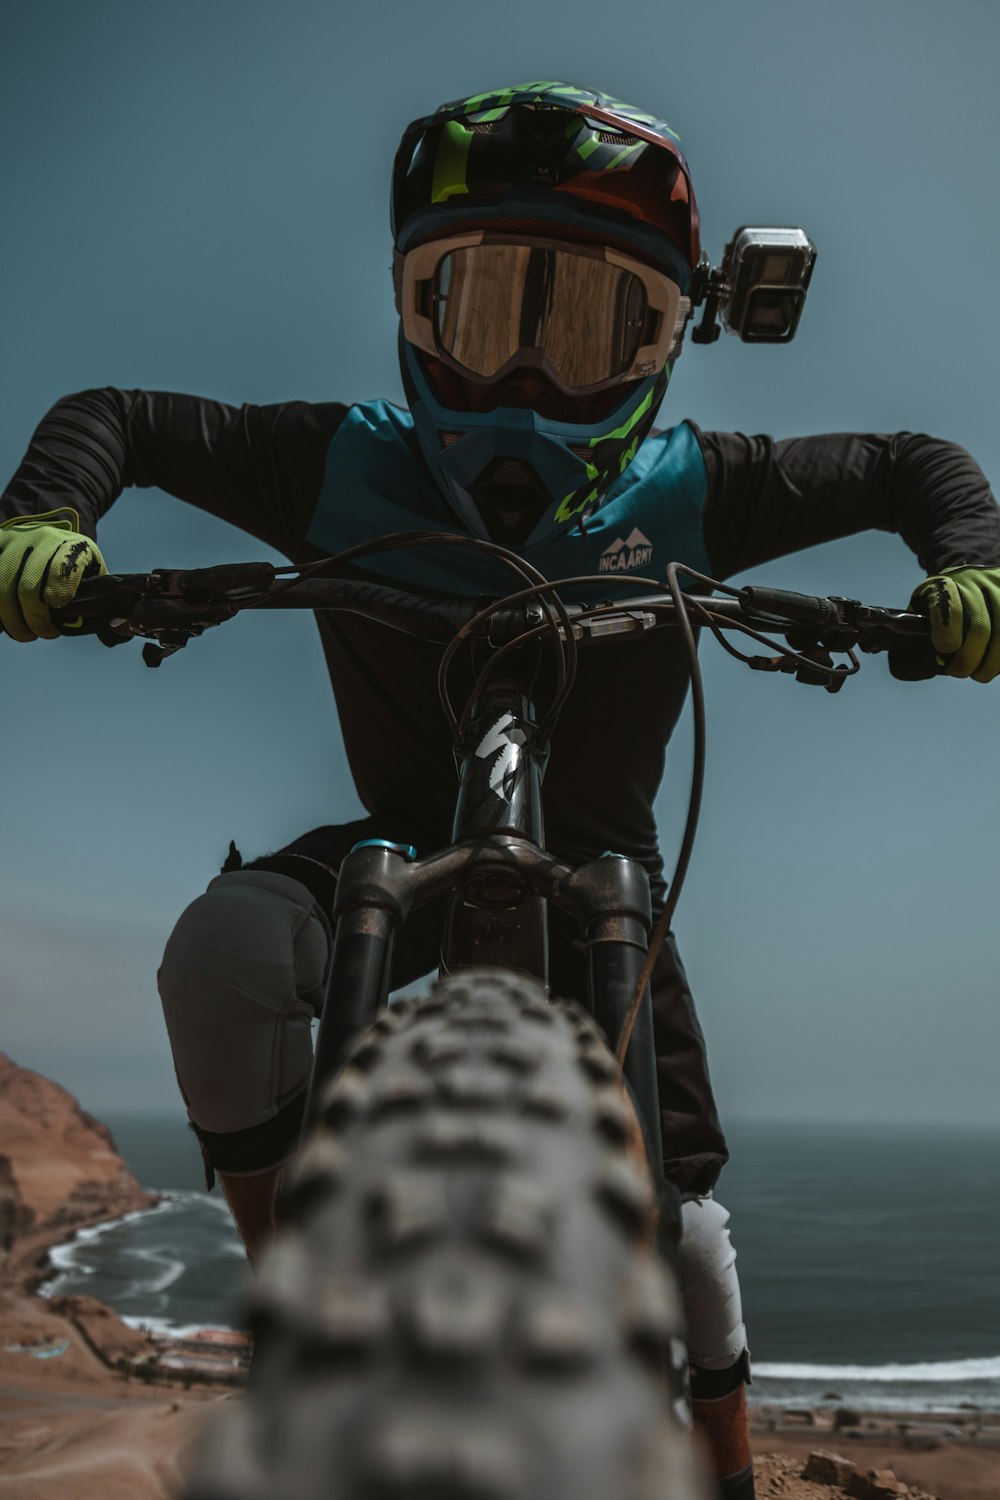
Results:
936 1370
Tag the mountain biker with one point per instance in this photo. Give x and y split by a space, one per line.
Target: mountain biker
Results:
545 237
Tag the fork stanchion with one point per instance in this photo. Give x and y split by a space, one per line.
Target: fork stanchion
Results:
370 906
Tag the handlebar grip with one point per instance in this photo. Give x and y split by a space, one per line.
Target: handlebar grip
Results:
98 600
916 661
809 609
70 623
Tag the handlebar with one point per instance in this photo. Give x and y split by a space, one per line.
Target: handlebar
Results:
170 606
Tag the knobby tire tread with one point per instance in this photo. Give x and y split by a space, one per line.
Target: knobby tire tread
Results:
463 1302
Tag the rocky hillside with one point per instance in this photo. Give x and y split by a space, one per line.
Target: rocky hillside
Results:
59 1168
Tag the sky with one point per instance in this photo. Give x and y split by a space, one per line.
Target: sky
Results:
195 199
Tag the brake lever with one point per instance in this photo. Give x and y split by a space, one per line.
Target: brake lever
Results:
823 659
153 655
173 622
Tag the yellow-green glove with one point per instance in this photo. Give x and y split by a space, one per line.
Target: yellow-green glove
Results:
964 608
43 560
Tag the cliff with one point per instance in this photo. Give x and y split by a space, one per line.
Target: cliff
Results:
59 1169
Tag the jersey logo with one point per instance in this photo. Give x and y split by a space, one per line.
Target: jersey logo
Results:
634 551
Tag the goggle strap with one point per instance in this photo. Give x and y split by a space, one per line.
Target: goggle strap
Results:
684 313
397 279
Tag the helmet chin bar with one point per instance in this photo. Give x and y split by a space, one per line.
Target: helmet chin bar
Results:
513 474
510 498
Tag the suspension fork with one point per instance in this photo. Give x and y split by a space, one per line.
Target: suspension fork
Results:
380 883
372 901
614 901
499 877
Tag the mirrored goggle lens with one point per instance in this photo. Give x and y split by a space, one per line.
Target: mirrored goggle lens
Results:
586 316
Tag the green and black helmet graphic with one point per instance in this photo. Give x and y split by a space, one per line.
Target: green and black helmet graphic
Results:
610 162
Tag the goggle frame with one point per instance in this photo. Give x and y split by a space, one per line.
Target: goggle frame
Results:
663 296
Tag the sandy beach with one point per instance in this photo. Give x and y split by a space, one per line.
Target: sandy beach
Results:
91 1409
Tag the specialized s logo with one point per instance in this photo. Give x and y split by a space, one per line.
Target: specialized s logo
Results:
507 749
622 556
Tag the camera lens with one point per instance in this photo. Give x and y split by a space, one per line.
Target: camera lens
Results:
772 314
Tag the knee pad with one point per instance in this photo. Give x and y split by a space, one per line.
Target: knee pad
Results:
242 977
710 1287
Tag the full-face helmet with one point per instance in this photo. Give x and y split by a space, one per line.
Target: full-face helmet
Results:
545 237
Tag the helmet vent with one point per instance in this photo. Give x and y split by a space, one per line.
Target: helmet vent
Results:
447 438
482 127
512 471
510 499
617 138
585 454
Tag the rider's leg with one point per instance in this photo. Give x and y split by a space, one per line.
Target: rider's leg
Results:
716 1344
250 1197
694 1150
242 977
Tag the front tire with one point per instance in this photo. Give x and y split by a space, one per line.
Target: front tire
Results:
464 1302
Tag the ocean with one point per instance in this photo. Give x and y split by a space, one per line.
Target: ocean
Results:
867 1255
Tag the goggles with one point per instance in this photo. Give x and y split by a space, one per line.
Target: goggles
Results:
588 317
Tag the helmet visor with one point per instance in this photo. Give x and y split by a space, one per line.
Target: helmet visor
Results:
588 316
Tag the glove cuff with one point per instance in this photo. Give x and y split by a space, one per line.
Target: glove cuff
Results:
63 519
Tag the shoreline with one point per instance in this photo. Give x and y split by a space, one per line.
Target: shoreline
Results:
109 1428
140 1269
911 1393
93 1230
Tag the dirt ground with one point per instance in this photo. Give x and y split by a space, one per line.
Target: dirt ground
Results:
72 1428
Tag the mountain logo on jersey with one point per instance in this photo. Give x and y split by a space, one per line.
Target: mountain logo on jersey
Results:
623 555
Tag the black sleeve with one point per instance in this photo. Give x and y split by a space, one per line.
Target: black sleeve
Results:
767 498
260 467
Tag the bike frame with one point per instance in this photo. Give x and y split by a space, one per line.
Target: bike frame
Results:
499 877
497 872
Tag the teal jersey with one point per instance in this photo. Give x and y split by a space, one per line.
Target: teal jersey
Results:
375 483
